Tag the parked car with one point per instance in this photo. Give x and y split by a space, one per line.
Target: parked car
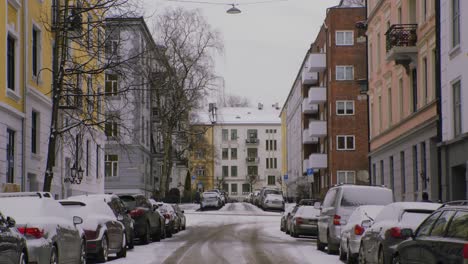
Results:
273 201
304 221
181 214
266 191
249 198
52 235
104 233
352 232
441 238
13 245
380 240
284 217
147 222
210 199
221 196
170 217
119 209
256 198
162 219
338 204
290 217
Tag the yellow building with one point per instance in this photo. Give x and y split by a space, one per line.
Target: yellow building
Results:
202 158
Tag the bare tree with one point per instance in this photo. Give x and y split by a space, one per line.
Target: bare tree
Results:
185 77
232 100
78 68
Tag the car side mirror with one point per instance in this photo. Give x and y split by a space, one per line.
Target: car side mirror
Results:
406 233
77 220
10 221
318 205
183 211
120 218
366 224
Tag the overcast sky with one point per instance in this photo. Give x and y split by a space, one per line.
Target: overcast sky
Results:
263 46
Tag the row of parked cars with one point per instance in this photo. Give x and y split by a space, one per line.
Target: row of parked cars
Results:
35 228
213 199
364 225
267 198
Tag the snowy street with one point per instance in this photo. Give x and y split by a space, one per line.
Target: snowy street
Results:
237 233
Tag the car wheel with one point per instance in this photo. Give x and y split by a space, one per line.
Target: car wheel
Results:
157 236
146 238
131 242
294 233
169 232
342 253
22 258
320 245
104 253
381 259
123 251
350 258
83 252
396 259
53 256
362 257
331 249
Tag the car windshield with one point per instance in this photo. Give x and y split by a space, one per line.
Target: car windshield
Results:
129 202
357 196
414 218
210 195
272 192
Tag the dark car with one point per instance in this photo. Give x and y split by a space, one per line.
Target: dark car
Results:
104 233
147 223
13 245
162 219
441 238
181 215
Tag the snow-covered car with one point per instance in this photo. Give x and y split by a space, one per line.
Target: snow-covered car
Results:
304 221
379 242
220 194
147 222
289 218
170 218
13 245
181 214
273 201
104 233
210 199
264 193
256 198
52 235
338 204
162 219
284 217
352 232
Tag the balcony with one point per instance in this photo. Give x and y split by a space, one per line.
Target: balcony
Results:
401 40
309 77
317 128
308 139
252 141
317 62
317 161
308 108
252 159
317 95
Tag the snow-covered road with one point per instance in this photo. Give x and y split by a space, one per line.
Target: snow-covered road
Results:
237 233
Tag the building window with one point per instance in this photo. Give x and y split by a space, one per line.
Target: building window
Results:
345 107
415 169
344 38
225 171
252 133
457 109
234 188
233 171
345 143
11 67
225 134
403 172
380 112
233 153
225 153
252 170
399 15
414 90
390 106
392 174
423 165
267 144
271 180
98 160
200 171
233 134
245 188
10 151
252 153
344 73
455 23
425 80
111 127
401 97
35 132
111 165
90 95
35 46
382 173
112 81
346 177
199 154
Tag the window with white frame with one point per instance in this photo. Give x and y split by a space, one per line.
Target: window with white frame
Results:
112 81
11 62
345 142
200 171
225 134
346 177
455 23
345 107
35 50
225 170
112 165
344 73
225 153
344 38
457 108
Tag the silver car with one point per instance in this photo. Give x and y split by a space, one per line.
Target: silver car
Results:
52 235
304 221
210 199
274 201
338 204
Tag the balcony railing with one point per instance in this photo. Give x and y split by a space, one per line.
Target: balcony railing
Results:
401 35
252 141
252 159
317 95
308 108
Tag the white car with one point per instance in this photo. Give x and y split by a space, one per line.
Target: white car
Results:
353 230
210 199
274 201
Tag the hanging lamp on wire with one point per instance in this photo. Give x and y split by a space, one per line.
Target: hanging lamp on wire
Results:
233 10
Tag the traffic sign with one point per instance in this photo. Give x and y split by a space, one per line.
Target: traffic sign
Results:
285 177
193 177
310 171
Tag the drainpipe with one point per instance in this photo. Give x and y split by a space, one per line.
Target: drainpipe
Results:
25 96
438 86
369 165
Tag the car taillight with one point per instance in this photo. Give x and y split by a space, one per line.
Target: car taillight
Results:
91 234
395 232
137 212
337 220
299 221
31 232
167 216
465 251
358 230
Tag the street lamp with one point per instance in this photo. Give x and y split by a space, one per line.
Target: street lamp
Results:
76 175
233 10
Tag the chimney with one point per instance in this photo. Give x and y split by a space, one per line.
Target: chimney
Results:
260 106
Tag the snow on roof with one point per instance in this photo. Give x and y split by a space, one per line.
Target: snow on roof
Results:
351 3
417 205
240 115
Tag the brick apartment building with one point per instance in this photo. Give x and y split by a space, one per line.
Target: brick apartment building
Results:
333 112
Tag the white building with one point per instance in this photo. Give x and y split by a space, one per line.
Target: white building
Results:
454 79
247 146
